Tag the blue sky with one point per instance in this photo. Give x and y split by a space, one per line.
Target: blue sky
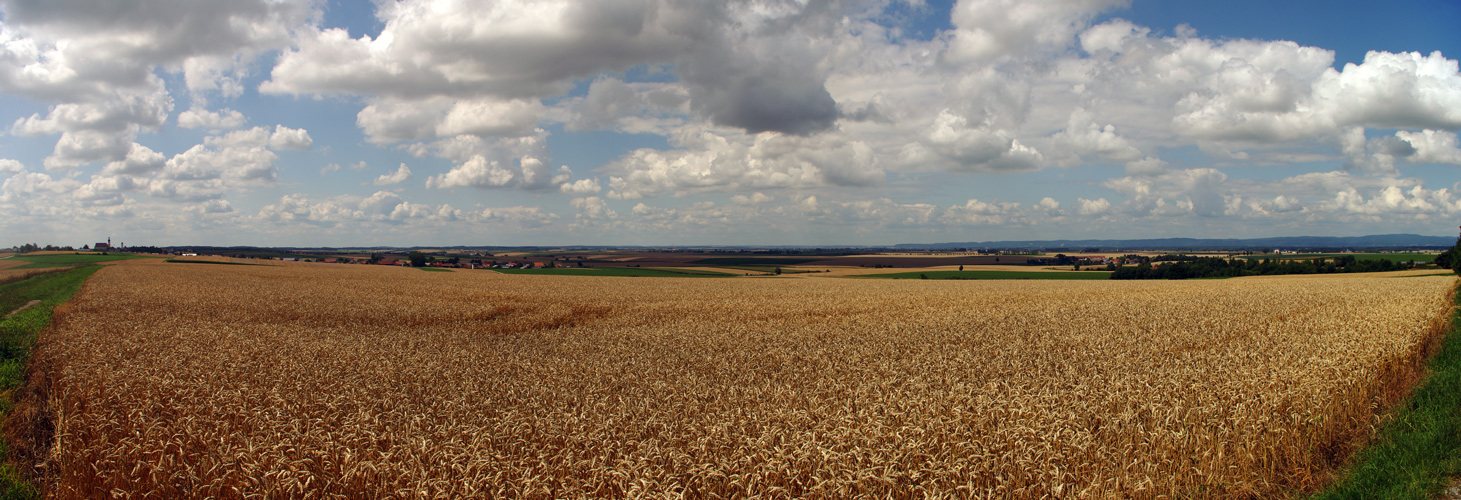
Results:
764 122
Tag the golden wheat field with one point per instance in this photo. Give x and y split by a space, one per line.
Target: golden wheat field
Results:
326 381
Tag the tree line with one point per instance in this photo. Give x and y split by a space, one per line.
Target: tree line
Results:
1191 267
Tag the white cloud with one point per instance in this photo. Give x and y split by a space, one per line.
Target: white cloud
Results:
580 187
394 120
1097 206
756 198
975 212
139 160
248 164
100 130
479 172
1049 207
1432 146
99 64
400 175
986 30
592 210
453 48
713 160
798 112
214 207
281 137
1200 190
214 120
289 138
10 167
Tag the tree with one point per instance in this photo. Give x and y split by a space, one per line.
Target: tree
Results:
961 267
417 259
778 270
1450 258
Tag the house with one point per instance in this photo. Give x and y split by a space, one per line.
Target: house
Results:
388 262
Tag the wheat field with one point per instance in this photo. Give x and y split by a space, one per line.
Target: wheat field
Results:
325 381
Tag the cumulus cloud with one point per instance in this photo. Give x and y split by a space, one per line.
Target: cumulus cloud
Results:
139 160
10 167
592 209
986 30
281 137
581 187
247 164
100 130
1097 206
62 50
215 120
1432 146
756 198
289 138
825 112
710 160
98 64
1201 191
214 207
1049 207
400 175
395 120
479 172
744 65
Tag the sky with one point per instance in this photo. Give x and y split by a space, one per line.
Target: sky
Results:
736 122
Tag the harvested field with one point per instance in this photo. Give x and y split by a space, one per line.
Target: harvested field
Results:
192 381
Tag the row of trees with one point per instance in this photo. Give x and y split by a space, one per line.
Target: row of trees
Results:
32 247
1217 267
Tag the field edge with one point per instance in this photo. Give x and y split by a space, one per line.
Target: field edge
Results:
24 382
1417 451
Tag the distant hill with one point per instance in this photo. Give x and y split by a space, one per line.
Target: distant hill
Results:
1374 242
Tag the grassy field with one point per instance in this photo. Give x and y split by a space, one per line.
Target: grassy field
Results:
25 310
632 272
242 381
993 275
66 260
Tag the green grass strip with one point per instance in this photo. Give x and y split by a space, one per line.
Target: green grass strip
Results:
64 260
18 334
1447 273
434 269
1414 455
994 275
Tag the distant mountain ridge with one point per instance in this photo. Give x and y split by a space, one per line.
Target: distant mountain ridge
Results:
1379 241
